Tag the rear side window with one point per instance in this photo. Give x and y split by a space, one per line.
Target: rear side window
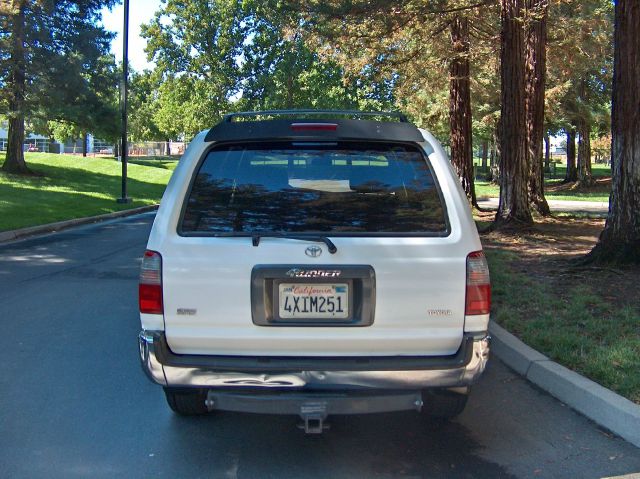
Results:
337 188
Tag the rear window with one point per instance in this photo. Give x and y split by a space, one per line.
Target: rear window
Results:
337 188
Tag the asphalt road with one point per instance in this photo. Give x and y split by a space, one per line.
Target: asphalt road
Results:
75 403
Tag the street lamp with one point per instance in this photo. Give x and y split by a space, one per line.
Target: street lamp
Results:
125 70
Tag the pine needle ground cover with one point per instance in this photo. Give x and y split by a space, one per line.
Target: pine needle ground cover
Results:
76 187
586 318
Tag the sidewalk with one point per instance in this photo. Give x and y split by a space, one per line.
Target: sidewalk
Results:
561 206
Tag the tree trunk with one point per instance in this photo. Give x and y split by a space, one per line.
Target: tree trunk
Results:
84 144
493 153
547 152
585 178
535 88
494 160
460 107
16 87
620 240
485 153
572 172
514 168
167 147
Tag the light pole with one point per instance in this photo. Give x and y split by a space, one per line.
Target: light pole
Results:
125 70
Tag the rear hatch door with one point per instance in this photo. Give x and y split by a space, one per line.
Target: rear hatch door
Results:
250 269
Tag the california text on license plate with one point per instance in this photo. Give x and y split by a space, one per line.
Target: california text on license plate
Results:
307 300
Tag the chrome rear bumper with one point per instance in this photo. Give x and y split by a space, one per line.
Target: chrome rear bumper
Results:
394 373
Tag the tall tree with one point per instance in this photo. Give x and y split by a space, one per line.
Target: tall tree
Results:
536 45
16 82
620 239
572 171
513 207
460 106
47 46
585 178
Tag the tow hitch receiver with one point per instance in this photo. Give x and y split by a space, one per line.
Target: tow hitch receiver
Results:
313 407
314 414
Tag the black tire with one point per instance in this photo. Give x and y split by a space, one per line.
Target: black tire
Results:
187 402
443 403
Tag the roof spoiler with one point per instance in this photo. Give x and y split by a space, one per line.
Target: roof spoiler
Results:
311 112
304 125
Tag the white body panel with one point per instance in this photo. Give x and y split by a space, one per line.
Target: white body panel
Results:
420 282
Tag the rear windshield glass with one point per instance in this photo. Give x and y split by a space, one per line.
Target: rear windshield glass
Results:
337 188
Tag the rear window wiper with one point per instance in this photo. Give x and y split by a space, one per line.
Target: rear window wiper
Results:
255 239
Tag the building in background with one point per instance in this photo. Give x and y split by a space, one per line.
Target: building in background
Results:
32 142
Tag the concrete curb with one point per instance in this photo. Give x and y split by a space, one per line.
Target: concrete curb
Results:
617 414
6 236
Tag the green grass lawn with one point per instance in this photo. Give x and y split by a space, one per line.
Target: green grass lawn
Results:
166 162
597 193
578 328
76 187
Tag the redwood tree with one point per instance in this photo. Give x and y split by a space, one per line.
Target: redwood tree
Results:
535 89
514 167
585 178
572 172
620 239
460 106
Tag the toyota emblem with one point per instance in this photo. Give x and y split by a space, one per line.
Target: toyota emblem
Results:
313 251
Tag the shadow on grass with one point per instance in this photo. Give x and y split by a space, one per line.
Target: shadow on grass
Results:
164 162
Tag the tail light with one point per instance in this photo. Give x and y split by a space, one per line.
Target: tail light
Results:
150 287
478 285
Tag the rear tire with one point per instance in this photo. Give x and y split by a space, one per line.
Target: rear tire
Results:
443 403
187 402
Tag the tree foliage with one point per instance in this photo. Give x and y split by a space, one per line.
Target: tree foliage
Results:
580 75
280 71
53 65
195 45
142 107
424 48
228 55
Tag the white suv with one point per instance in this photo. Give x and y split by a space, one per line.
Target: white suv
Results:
314 264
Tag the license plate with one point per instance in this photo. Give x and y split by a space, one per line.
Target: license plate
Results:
318 301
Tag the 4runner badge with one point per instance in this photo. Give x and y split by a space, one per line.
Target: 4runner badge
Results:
313 273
